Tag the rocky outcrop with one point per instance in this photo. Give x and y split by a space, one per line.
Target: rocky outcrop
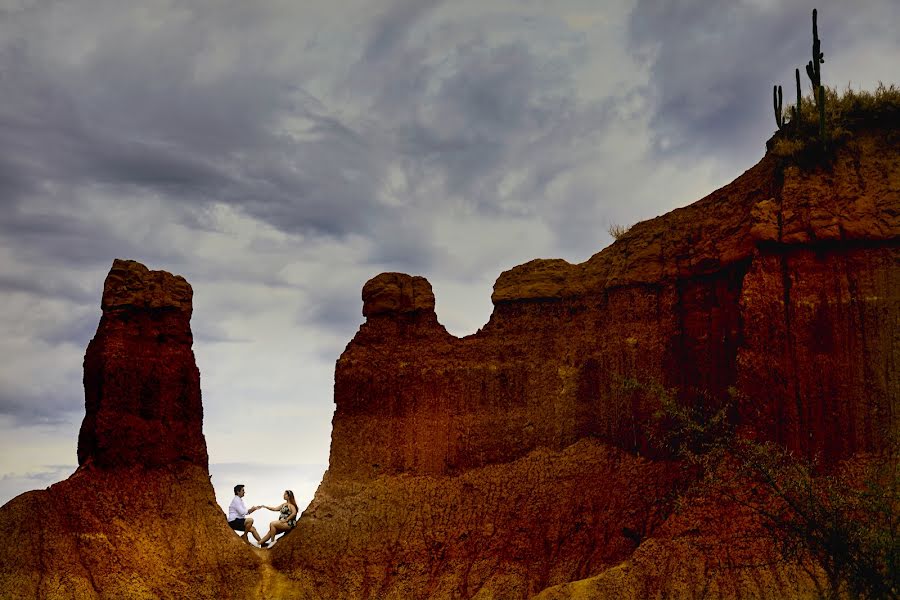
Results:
517 460
141 384
138 519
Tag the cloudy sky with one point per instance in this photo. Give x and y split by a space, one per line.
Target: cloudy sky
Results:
280 153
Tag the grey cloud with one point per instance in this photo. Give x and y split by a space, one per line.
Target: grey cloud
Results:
210 333
123 118
393 25
26 407
78 242
149 165
483 112
58 287
78 331
457 114
338 312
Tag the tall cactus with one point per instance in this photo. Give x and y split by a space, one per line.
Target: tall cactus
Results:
818 57
776 104
815 76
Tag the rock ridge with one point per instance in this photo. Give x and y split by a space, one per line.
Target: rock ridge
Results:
782 287
512 463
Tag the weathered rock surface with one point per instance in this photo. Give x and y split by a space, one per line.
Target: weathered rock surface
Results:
397 294
141 384
516 459
138 519
515 462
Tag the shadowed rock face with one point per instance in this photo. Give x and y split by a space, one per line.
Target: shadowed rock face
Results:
517 459
141 383
138 519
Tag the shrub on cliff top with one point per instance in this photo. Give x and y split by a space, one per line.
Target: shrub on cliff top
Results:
844 112
617 231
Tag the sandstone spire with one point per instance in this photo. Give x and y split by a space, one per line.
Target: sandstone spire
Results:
141 383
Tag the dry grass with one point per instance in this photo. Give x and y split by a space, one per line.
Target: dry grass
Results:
844 112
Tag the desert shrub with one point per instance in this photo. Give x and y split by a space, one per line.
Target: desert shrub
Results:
618 231
845 519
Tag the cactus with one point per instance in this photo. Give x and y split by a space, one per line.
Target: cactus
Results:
812 67
818 90
815 77
776 104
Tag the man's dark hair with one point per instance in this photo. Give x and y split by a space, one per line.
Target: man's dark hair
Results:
238 488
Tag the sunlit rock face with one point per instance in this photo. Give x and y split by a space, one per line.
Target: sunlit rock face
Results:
517 459
138 519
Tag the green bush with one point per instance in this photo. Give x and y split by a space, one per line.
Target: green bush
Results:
844 519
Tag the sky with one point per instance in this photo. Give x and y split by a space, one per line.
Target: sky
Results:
278 154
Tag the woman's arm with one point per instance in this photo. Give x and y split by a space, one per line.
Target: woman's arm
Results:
277 508
293 512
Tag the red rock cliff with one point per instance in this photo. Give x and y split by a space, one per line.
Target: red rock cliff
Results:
141 384
515 459
138 519
514 462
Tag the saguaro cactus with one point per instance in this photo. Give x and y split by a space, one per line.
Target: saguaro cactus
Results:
776 104
818 57
815 76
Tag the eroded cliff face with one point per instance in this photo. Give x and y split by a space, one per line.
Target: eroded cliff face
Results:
517 459
138 519
515 462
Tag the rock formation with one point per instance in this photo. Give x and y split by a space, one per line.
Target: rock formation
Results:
516 459
141 384
138 518
515 462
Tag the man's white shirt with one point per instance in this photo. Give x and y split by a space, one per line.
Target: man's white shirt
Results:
237 509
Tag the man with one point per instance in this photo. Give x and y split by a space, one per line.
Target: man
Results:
237 515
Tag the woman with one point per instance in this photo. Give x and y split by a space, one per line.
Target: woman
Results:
286 520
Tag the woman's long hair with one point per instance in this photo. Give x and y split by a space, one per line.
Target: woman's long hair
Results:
292 501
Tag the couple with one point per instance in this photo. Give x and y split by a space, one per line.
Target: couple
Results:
239 521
